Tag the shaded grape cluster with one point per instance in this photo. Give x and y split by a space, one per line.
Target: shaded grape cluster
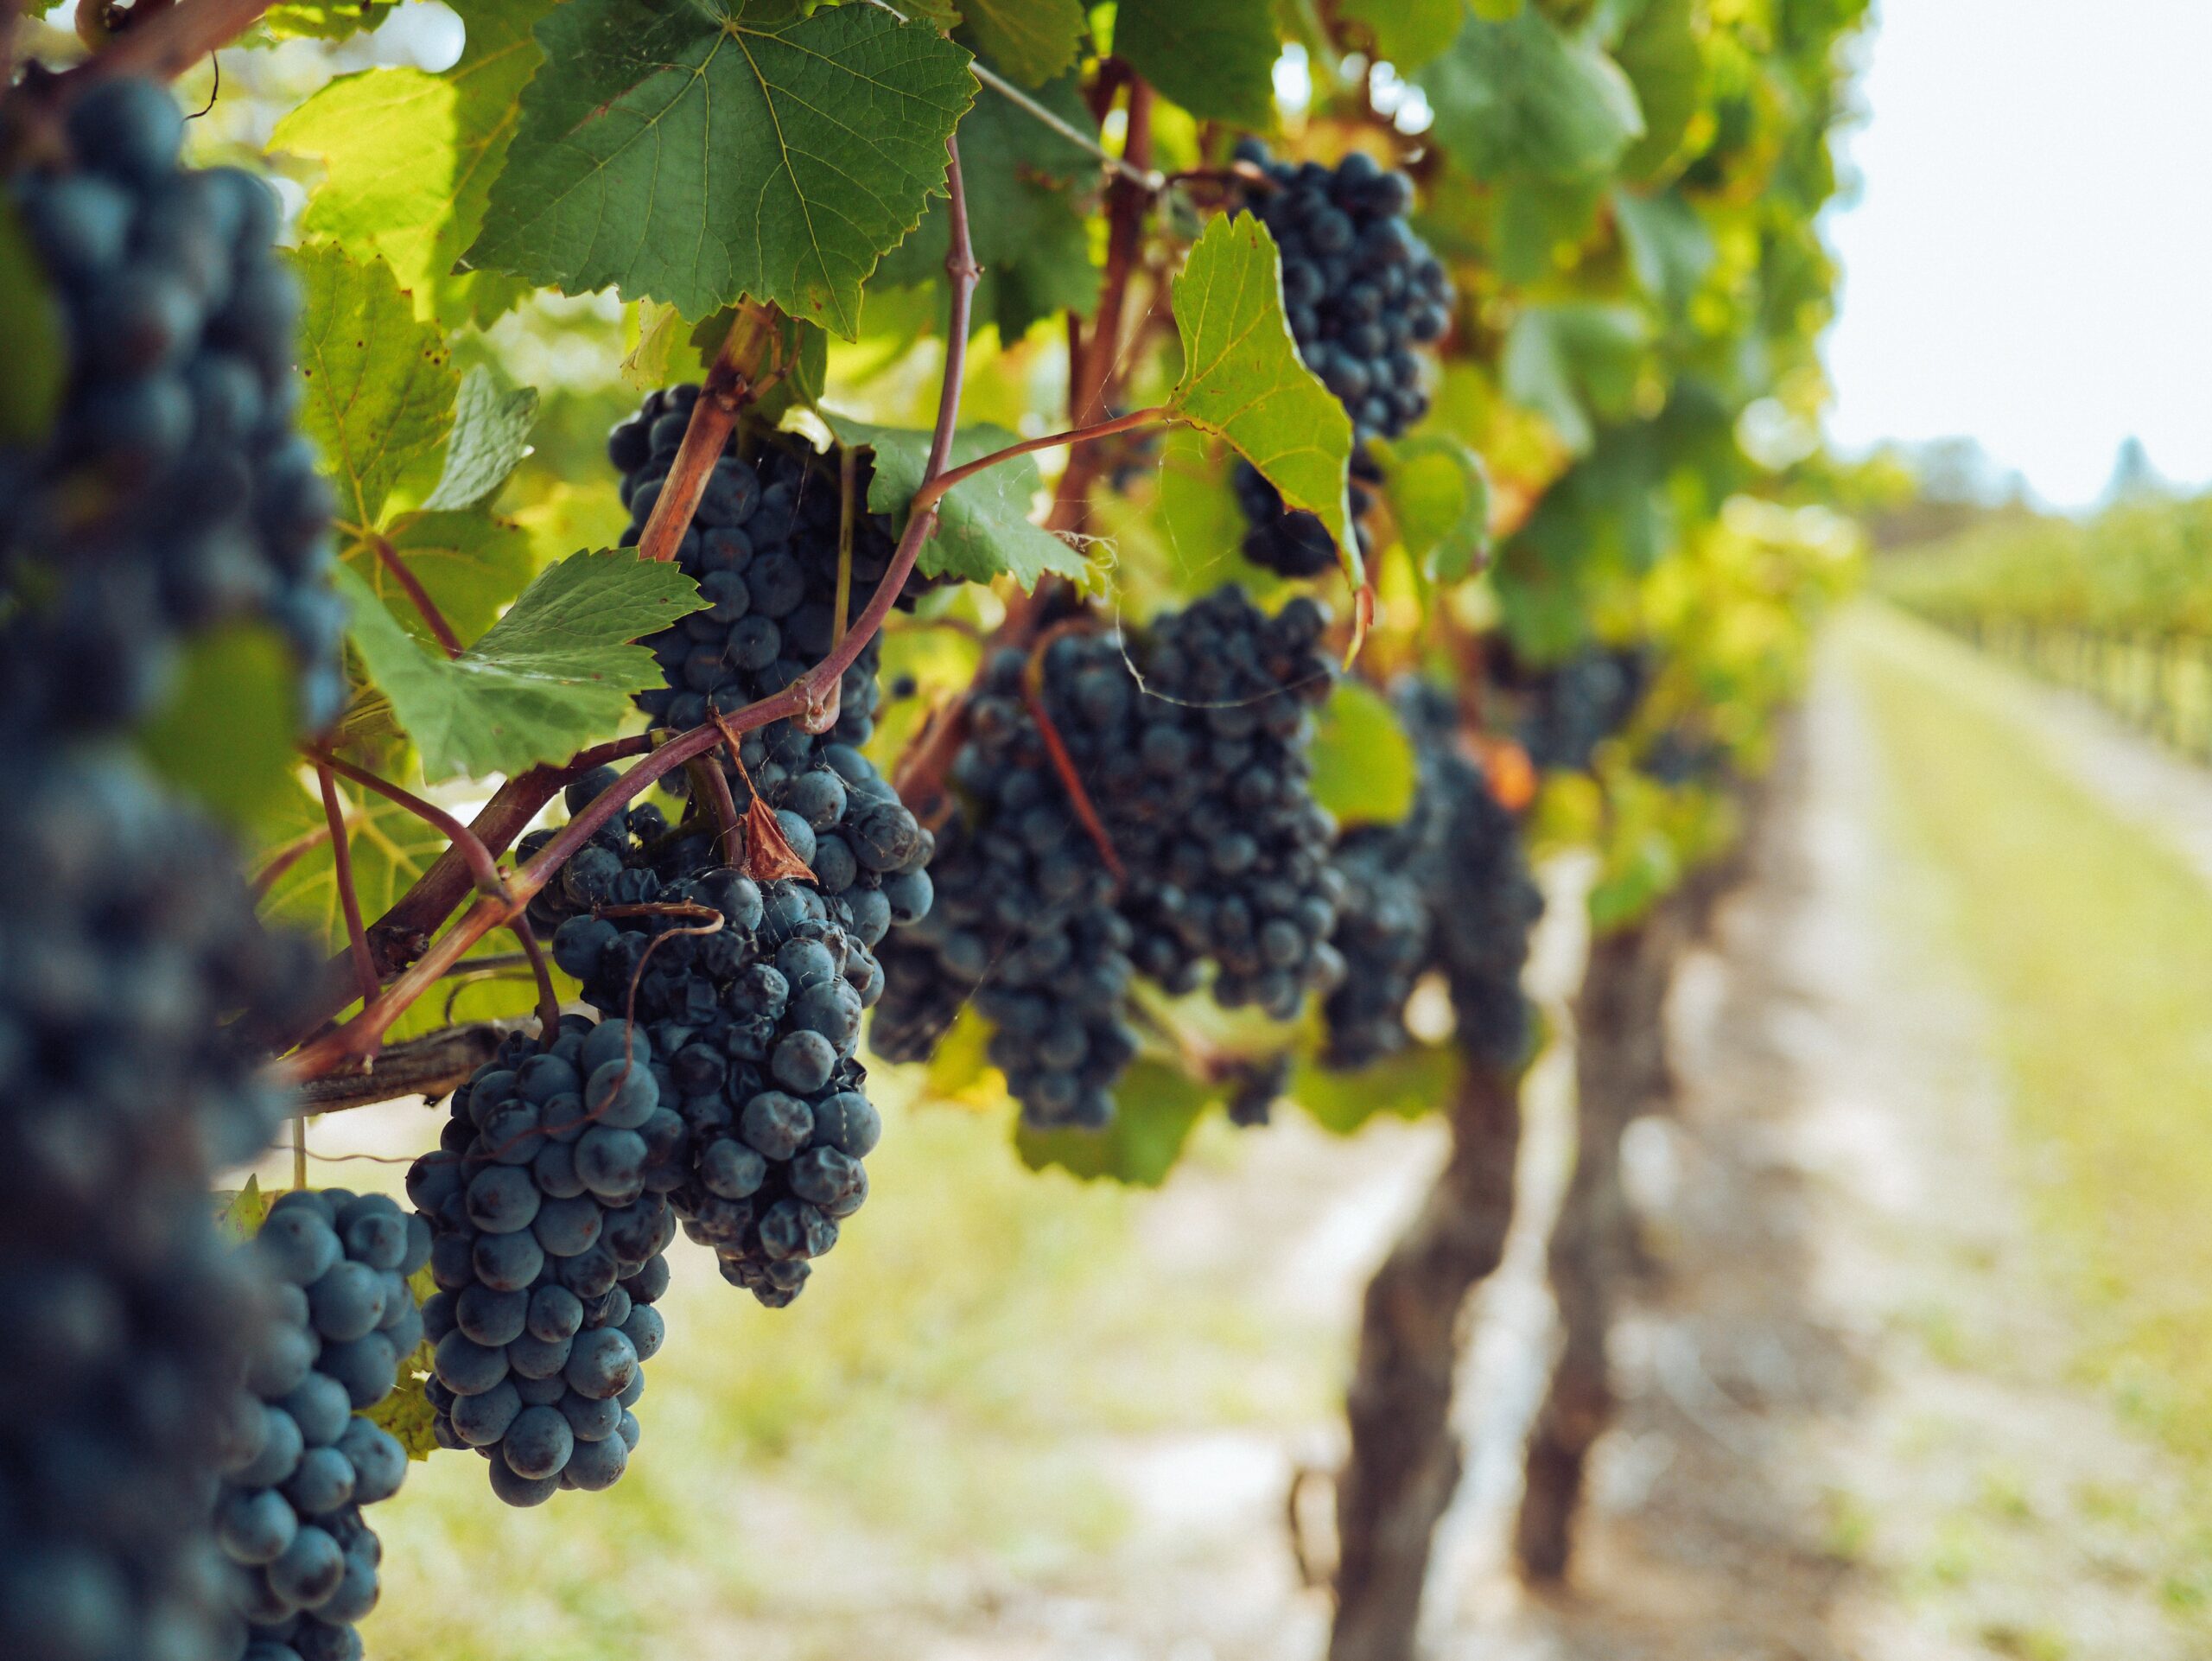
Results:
1447 888
1025 924
300 1461
1290 541
548 1209
1360 288
172 475
126 935
1191 741
1570 708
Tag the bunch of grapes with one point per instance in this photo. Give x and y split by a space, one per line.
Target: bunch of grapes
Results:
1191 742
300 1461
1360 290
1025 924
548 1209
173 475
1383 935
1570 709
125 935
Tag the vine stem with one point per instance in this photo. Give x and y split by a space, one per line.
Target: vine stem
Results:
482 866
165 46
435 620
1032 694
549 1004
360 1035
740 372
349 901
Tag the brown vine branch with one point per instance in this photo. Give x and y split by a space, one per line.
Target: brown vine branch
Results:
349 902
419 596
357 1036
482 866
713 784
429 1066
1032 694
742 370
165 46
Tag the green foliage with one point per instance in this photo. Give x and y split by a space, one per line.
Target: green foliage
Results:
38 351
323 20
239 1212
1522 99
224 735
1438 492
391 848
1031 41
1243 378
1155 1108
1408 33
549 676
692 156
409 159
1364 766
1573 362
491 431
1660 54
1410 1084
983 529
1216 58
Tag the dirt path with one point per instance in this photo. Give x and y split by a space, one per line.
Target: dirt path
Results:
1848 1430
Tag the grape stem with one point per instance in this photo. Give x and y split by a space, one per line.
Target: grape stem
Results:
349 901
166 45
1032 694
360 1035
419 596
746 366
714 785
549 1003
482 866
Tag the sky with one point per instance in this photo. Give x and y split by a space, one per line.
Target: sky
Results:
2028 261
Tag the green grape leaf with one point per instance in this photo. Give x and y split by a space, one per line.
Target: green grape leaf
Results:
1363 767
1410 1084
406 1414
1438 492
1564 361
490 435
685 155
1524 99
1216 58
323 20
1028 189
38 344
1030 41
551 675
1243 381
391 847
409 159
468 563
1660 54
1668 245
239 1212
1407 32
983 529
1154 1108
225 734
380 385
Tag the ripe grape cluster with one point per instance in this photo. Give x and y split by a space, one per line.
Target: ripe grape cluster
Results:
746 1000
1448 889
172 475
1189 740
1570 709
1361 291
548 1209
299 1460
126 934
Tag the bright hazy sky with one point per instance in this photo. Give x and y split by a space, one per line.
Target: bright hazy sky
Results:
2029 261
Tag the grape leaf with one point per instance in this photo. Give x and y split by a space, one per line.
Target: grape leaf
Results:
686 155
1243 378
410 158
1438 492
406 1414
323 20
380 385
1031 41
1216 58
1660 54
1412 1083
1522 100
491 434
468 563
38 344
1564 361
390 847
240 1213
1363 767
548 677
225 734
1028 189
1154 1108
1407 32
1668 246
983 529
